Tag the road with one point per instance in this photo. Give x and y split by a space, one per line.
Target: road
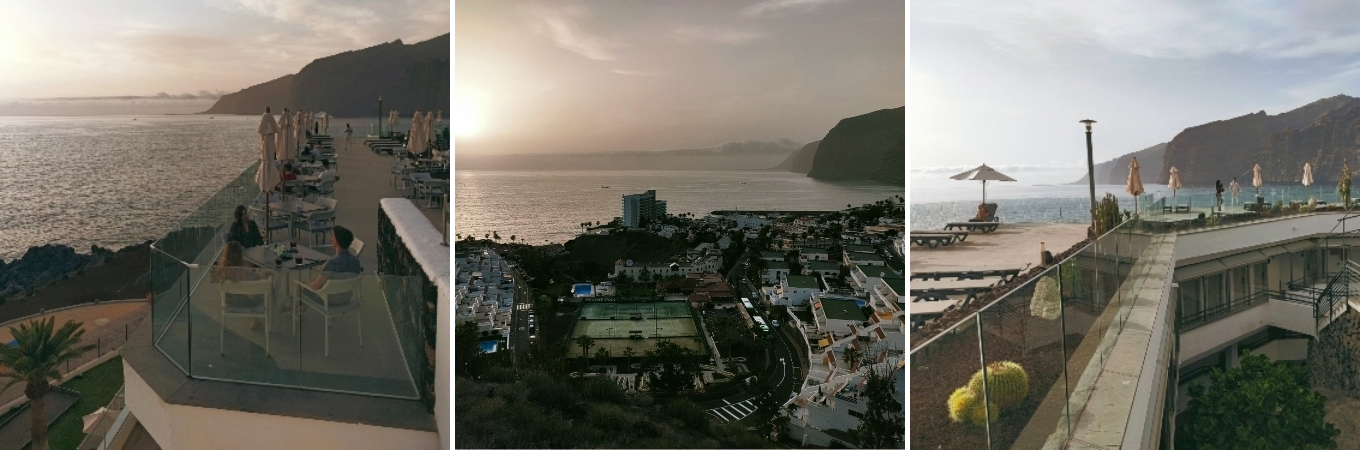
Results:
519 315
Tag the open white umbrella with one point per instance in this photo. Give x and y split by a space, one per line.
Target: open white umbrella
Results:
1308 176
1175 185
1135 184
984 174
267 176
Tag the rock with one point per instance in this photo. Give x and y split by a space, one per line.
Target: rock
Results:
866 147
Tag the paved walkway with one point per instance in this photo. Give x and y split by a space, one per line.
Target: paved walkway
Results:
106 325
91 316
366 178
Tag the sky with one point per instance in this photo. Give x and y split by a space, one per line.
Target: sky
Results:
587 76
1006 83
67 48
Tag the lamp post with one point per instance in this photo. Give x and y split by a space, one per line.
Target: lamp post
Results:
1090 171
380 117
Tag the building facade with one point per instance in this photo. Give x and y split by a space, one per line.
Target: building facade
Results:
641 208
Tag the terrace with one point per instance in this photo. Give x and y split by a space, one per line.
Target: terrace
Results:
356 357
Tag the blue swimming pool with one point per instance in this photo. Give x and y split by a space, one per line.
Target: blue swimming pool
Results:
861 303
582 289
489 346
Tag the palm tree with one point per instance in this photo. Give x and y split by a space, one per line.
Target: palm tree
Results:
42 349
586 342
852 356
512 238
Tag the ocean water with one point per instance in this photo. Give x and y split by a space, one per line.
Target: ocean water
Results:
546 206
936 204
114 180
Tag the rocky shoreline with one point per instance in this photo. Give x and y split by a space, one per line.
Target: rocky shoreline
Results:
43 266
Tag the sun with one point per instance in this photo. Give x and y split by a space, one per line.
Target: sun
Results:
465 121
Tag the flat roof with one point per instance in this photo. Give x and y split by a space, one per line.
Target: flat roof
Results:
859 248
772 265
823 265
843 310
803 282
768 253
897 284
865 257
812 249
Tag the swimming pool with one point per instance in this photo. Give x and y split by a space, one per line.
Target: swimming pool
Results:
489 346
583 289
861 303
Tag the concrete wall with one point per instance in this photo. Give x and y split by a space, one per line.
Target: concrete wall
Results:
1195 246
1216 335
187 427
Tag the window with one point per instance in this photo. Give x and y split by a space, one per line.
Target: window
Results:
1213 292
1241 283
1190 298
1258 282
855 414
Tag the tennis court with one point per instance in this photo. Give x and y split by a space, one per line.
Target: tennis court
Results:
625 311
640 326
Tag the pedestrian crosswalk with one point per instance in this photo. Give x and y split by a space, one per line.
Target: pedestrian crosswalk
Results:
733 411
522 307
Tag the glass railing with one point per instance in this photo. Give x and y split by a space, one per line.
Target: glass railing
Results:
1165 213
1043 345
260 325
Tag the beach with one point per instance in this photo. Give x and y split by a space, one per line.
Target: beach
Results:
1012 245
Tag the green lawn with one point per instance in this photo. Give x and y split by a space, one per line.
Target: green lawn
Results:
96 387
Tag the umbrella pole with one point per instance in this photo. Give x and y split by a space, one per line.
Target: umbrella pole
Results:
984 192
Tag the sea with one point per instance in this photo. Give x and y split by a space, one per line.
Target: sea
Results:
545 206
114 180
933 204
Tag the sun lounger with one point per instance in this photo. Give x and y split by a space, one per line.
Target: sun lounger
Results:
961 235
939 290
932 240
937 275
985 227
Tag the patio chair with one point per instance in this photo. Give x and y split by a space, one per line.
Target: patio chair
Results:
255 288
316 222
411 180
273 223
326 202
434 188
336 297
356 246
326 187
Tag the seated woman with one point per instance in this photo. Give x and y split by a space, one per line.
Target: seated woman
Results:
243 230
233 267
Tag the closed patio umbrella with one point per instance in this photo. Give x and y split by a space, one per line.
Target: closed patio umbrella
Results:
285 135
326 122
1175 185
428 134
984 174
413 135
267 176
1256 178
1308 177
1135 184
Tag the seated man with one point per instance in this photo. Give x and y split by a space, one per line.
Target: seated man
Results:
341 266
981 214
327 176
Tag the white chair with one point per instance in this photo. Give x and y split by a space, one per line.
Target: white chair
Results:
274 223
434 188
255 288
316 222
326 187
356 246
413 181
331 300
326 202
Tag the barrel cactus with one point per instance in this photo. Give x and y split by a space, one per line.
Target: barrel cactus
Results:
1007 384
966 406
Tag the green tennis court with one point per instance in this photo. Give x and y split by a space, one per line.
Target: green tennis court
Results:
606 311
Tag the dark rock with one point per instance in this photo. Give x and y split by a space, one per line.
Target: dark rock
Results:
801 160
869 147
43 265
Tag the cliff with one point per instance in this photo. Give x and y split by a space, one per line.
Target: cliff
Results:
407 77
1116 171
1327 143
1224 149
801 160
869 147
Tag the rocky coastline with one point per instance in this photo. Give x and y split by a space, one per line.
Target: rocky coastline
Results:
45 265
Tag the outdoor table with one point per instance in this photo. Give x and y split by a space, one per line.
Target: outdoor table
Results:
291 206
263 256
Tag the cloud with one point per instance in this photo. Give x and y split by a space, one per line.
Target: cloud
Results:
636 73
1156 28
360 26
561 25
732 37
778 5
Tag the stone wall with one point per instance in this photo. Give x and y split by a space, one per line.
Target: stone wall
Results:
394 258
1334 357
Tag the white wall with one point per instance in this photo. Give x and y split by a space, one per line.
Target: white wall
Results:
1192 247
177 427
1215 335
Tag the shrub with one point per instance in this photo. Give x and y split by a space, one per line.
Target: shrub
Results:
1007 384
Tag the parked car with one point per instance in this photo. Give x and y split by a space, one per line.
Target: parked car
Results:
775 323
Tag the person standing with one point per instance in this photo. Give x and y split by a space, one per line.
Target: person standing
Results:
1218 194
1234 189
348 132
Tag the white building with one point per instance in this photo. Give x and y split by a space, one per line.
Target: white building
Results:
774 272
644 207
806 254
795 290
710 261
